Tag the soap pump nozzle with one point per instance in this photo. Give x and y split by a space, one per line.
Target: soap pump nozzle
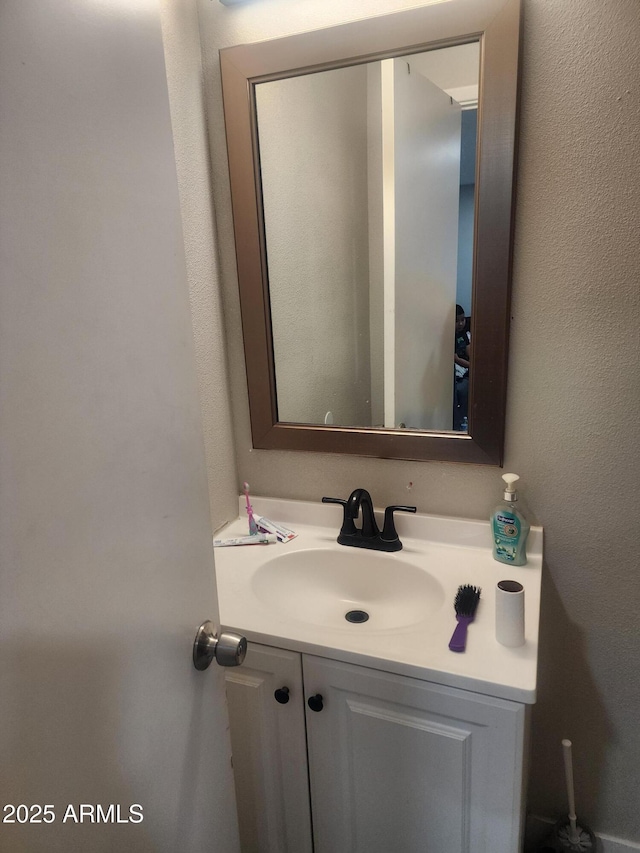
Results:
510 493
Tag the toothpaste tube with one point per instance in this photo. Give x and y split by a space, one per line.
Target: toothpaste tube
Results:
283 533
255 539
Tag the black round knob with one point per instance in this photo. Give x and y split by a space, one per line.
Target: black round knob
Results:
282 695
315 702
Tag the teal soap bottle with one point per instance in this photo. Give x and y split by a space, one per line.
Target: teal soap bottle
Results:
509 527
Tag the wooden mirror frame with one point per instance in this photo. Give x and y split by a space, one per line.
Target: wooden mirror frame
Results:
496 25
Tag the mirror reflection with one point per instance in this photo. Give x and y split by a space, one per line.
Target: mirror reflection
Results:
368 192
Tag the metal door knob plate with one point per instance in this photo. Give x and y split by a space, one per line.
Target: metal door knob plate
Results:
228 649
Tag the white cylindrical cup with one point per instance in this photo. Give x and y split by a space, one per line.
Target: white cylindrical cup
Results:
510 613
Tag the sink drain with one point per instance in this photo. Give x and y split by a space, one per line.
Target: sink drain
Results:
356 616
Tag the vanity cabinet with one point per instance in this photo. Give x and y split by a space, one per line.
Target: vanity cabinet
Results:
389 763
269 751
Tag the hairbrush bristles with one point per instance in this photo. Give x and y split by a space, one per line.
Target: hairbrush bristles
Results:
467 599
465 604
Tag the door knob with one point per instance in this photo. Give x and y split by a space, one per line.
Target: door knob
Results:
228 649
315 702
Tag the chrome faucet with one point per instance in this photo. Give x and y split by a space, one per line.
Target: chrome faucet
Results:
368 535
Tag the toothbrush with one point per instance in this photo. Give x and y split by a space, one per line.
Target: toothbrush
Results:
465 606
253 527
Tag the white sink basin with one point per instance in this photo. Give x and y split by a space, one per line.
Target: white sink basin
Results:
321 585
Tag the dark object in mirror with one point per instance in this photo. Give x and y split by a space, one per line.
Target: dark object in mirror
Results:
495 25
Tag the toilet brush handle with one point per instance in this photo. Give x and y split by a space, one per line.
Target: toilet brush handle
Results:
568 772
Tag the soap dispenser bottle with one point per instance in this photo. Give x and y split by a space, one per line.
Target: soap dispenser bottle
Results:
509 527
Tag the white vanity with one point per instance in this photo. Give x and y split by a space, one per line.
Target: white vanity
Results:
373 736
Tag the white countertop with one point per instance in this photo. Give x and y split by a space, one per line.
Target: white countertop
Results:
455 551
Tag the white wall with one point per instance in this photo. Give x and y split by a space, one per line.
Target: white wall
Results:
573 398
184 75
314 192
376 221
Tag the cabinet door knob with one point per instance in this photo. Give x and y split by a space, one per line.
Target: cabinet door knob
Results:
315 702
282 695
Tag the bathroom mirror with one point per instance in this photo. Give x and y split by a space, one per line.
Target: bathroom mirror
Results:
360 198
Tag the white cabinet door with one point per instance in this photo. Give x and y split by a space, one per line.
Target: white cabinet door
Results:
269 752
397 764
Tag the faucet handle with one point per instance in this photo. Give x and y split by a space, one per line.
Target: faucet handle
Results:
389 533
348 527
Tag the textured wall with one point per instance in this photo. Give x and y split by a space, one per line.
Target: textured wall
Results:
184 74
574 396
573 401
